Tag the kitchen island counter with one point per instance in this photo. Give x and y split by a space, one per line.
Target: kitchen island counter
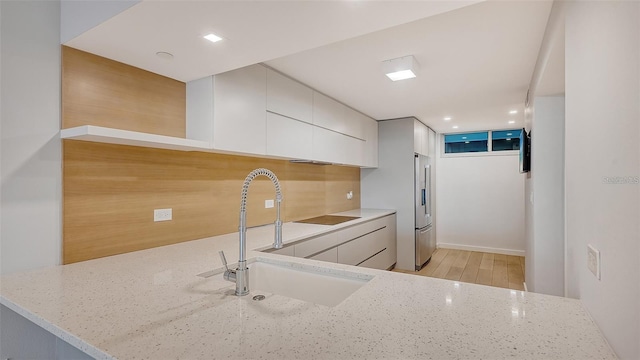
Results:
151 304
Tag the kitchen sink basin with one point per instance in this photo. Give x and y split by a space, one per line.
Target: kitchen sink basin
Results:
318 285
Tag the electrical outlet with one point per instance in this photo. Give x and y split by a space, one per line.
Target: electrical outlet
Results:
162 214
350 195
268 204
593 261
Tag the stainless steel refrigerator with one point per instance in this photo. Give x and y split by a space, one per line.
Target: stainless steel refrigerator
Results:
425 241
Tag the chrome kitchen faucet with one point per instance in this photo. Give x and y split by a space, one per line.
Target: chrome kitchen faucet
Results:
241 275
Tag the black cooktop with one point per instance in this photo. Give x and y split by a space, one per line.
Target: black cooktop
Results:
328 219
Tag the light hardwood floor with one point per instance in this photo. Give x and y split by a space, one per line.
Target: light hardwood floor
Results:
499 270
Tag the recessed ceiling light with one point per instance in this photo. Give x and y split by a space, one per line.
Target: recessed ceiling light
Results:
508 139
513 112
164 55
213 37
512 121
455 126
447 118
466 142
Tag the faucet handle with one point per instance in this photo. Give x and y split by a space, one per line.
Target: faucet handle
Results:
229 275
224 260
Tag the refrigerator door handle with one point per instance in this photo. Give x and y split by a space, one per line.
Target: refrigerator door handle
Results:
424 196
427 208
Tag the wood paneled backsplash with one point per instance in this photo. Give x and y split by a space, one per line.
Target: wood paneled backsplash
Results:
110 191
103 92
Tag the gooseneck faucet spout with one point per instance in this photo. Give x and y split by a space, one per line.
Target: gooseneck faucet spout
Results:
242 273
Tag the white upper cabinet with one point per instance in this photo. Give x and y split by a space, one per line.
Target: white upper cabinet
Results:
258 111
328 113
334 147
332 115
432 143
239 110
288 138
420 138
370 151
228 110
288 97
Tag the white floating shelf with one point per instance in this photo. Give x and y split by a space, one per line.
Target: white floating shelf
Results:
133 138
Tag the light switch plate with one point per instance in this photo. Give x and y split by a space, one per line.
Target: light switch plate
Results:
268 204
162 215
593 261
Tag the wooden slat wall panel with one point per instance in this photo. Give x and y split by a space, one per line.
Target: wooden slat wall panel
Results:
110 192
103 92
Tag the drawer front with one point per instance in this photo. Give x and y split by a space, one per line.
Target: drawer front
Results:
381 260
356 251
330 255
315 245
361 229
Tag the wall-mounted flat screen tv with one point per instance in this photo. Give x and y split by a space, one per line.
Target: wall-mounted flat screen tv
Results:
525 151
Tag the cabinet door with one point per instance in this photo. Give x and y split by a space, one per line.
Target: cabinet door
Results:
425 140
391 237
432 143
330 255
337 148
200 109
420 138
370 152
288 97
328 113
417 137
288 138
239 110
355 123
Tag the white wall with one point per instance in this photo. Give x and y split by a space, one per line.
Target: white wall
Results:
544 199
602 140
480 203
30 151
80 16
544 185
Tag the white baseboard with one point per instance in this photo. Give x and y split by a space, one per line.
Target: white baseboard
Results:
481 249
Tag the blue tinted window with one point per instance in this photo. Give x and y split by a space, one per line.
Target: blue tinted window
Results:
505 140
467 142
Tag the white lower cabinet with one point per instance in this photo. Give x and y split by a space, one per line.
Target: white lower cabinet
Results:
330 255
357 251
315 245
378 261
371 244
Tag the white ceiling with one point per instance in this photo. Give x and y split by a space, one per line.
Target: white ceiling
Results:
476 58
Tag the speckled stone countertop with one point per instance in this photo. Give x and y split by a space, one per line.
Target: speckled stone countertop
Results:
151 305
